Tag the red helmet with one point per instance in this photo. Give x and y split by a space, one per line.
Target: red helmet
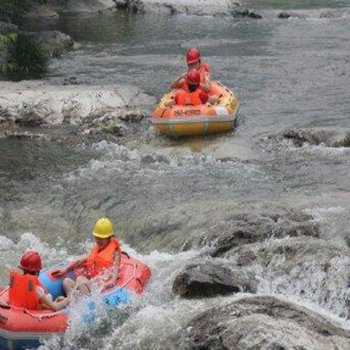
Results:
193 76
193 55
30 261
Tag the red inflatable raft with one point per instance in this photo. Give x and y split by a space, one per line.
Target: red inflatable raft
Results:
23 329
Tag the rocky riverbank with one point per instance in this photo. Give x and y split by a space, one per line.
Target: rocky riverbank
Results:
53 10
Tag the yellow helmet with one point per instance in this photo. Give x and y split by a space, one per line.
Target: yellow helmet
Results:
103 228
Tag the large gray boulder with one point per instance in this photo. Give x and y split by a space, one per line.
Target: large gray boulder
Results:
233 226
328 136
261 322
209 279
250 228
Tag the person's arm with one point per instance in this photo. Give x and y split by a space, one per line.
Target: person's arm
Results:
114 273
70 266
117 264
179 81
205 86
208 70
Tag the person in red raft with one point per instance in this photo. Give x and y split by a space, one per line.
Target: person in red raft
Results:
88 269
192 93
193 58
26 290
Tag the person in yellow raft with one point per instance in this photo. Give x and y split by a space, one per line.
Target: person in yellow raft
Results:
27 291
192 94
105 255
193 58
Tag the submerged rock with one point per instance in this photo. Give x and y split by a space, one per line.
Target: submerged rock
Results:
235 227
210 279
251 228
333 13
283 15
310 268
243 12
261 322
292 252
328 136
113 123
25 135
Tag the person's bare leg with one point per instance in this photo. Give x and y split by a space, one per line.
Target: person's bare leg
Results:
82 285
68 285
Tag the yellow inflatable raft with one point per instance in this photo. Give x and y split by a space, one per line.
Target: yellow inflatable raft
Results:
203 119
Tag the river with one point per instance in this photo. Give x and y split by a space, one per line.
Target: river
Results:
286 72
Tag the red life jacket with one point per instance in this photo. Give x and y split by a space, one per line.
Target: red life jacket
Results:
99 260
23 291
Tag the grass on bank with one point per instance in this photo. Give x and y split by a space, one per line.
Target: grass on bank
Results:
22 57
13 10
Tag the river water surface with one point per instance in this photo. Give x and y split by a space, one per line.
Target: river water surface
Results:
286 72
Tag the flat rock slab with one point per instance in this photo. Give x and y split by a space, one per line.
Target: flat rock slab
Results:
38 103
190 7
88 6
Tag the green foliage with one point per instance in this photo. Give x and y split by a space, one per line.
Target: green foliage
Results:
13 10
22 57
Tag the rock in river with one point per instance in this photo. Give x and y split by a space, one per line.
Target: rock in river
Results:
261 322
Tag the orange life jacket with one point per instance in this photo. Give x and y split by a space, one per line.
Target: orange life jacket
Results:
99 260
23 291
189 98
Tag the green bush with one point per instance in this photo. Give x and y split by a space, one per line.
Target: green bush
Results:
13 10
22 57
